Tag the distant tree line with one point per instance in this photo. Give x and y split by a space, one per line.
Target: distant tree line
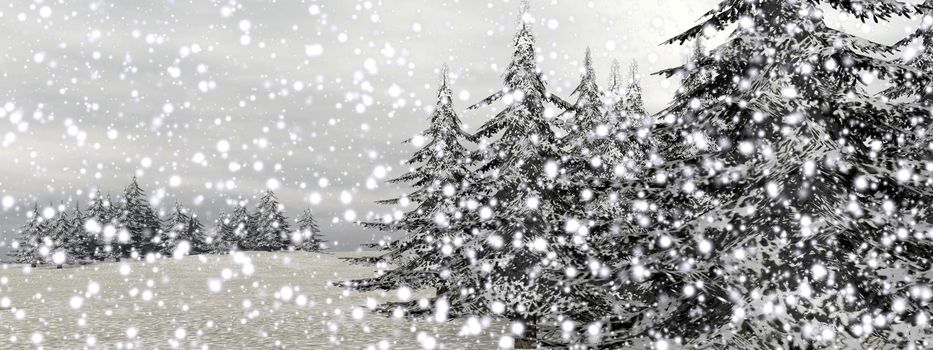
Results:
131 228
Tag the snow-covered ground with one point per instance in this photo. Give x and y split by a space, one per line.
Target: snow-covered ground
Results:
253 300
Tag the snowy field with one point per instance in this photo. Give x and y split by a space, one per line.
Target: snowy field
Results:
253 300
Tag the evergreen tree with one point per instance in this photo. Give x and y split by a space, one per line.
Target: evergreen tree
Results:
139 220
520 260
912 86
629 125
588 126
103 214
27 246
70 238
243 229
634 131
694 74
795 229
441 177
270 225
83 244
309 236
594 149
685 135
182 229
225 234
616 86
196 235
914 90
60 236
633 103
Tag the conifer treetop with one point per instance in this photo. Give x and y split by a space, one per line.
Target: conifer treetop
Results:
616 81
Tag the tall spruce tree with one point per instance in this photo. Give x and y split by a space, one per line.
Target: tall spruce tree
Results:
139 220
82 244
795 229
629 124
433 229
182 229
591 150
225 235
309 236
633 102
616 89
60 235
243 229
589 138
684 136
26 250
522 259
635 132
103 214
70 238
196 235
270 225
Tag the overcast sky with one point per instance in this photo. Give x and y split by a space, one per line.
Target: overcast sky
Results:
209 102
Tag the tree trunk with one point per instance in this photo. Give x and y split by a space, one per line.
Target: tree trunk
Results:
528 340
32 265
59 266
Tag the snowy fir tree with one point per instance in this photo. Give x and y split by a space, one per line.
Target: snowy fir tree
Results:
139 220
26 250
182 234
912 87
684 137
633 102
595 147
433 229
616 90
56 233
82 244
70 242
268 226
522 255
308 237
100 221
225 237
635 128
589 138
628 124
797 228
912 90
196 234
243 229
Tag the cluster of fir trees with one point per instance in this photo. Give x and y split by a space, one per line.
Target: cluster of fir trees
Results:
776 202
500 219
131 228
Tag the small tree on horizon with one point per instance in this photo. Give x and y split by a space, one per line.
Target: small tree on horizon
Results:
269 224
309 237
243 229
26 250
74 240
139 219
182 228
225 236
102 213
